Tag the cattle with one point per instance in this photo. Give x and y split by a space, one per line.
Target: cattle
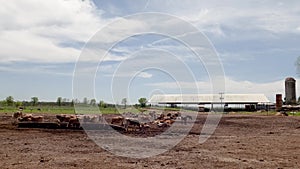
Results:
94 119
118 120
145 127
161 117
17 114
161 124
56 121
61 117
184 119
164 123
24 119
100 118
73 122
169 122
64 117
90 118
281 114
133 123
153 114
30 117
175 116
37 118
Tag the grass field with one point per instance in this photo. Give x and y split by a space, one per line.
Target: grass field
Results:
109 110
71 110
44 109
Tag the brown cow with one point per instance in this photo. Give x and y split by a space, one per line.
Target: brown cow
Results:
73 122
17 114
281 114
37 118
26 117
133 123
162 124
169 122
30 117
118 120
64 117
161 117
145 127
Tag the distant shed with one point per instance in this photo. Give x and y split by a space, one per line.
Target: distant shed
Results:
209 99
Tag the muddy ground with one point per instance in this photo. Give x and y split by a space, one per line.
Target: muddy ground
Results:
240 141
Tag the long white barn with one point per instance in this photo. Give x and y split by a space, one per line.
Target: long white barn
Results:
209 99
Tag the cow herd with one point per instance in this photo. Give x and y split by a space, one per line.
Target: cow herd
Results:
128 120
73 121
70 121
143 121
27 117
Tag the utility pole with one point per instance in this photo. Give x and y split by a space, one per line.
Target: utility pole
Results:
221 99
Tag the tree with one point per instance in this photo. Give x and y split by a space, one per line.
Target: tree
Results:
10 101
142 102
102 104
34 101
3 103
72 102
93 102
124 101
65 101
58 101
18 104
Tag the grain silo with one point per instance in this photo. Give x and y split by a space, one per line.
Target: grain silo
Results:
290 91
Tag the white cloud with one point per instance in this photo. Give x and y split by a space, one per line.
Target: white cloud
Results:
269 88
34 70
33 30
145 75
204 87
26 46
238 15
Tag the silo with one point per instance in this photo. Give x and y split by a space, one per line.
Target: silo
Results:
290 91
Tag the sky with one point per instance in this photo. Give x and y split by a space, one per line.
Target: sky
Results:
46 45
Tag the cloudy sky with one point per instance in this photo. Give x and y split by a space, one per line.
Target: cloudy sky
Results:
41 42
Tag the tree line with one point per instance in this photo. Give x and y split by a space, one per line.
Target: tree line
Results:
34 101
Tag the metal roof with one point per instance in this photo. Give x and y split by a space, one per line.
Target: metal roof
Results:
209 98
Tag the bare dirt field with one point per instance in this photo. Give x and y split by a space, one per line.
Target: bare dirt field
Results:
240 141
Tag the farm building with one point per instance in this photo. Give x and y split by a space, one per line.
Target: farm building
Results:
243 101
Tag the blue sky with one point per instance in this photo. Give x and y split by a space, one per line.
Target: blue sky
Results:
41 41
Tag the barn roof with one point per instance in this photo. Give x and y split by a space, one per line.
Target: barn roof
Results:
209 98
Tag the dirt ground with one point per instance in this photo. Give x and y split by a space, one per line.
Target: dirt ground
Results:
240 141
